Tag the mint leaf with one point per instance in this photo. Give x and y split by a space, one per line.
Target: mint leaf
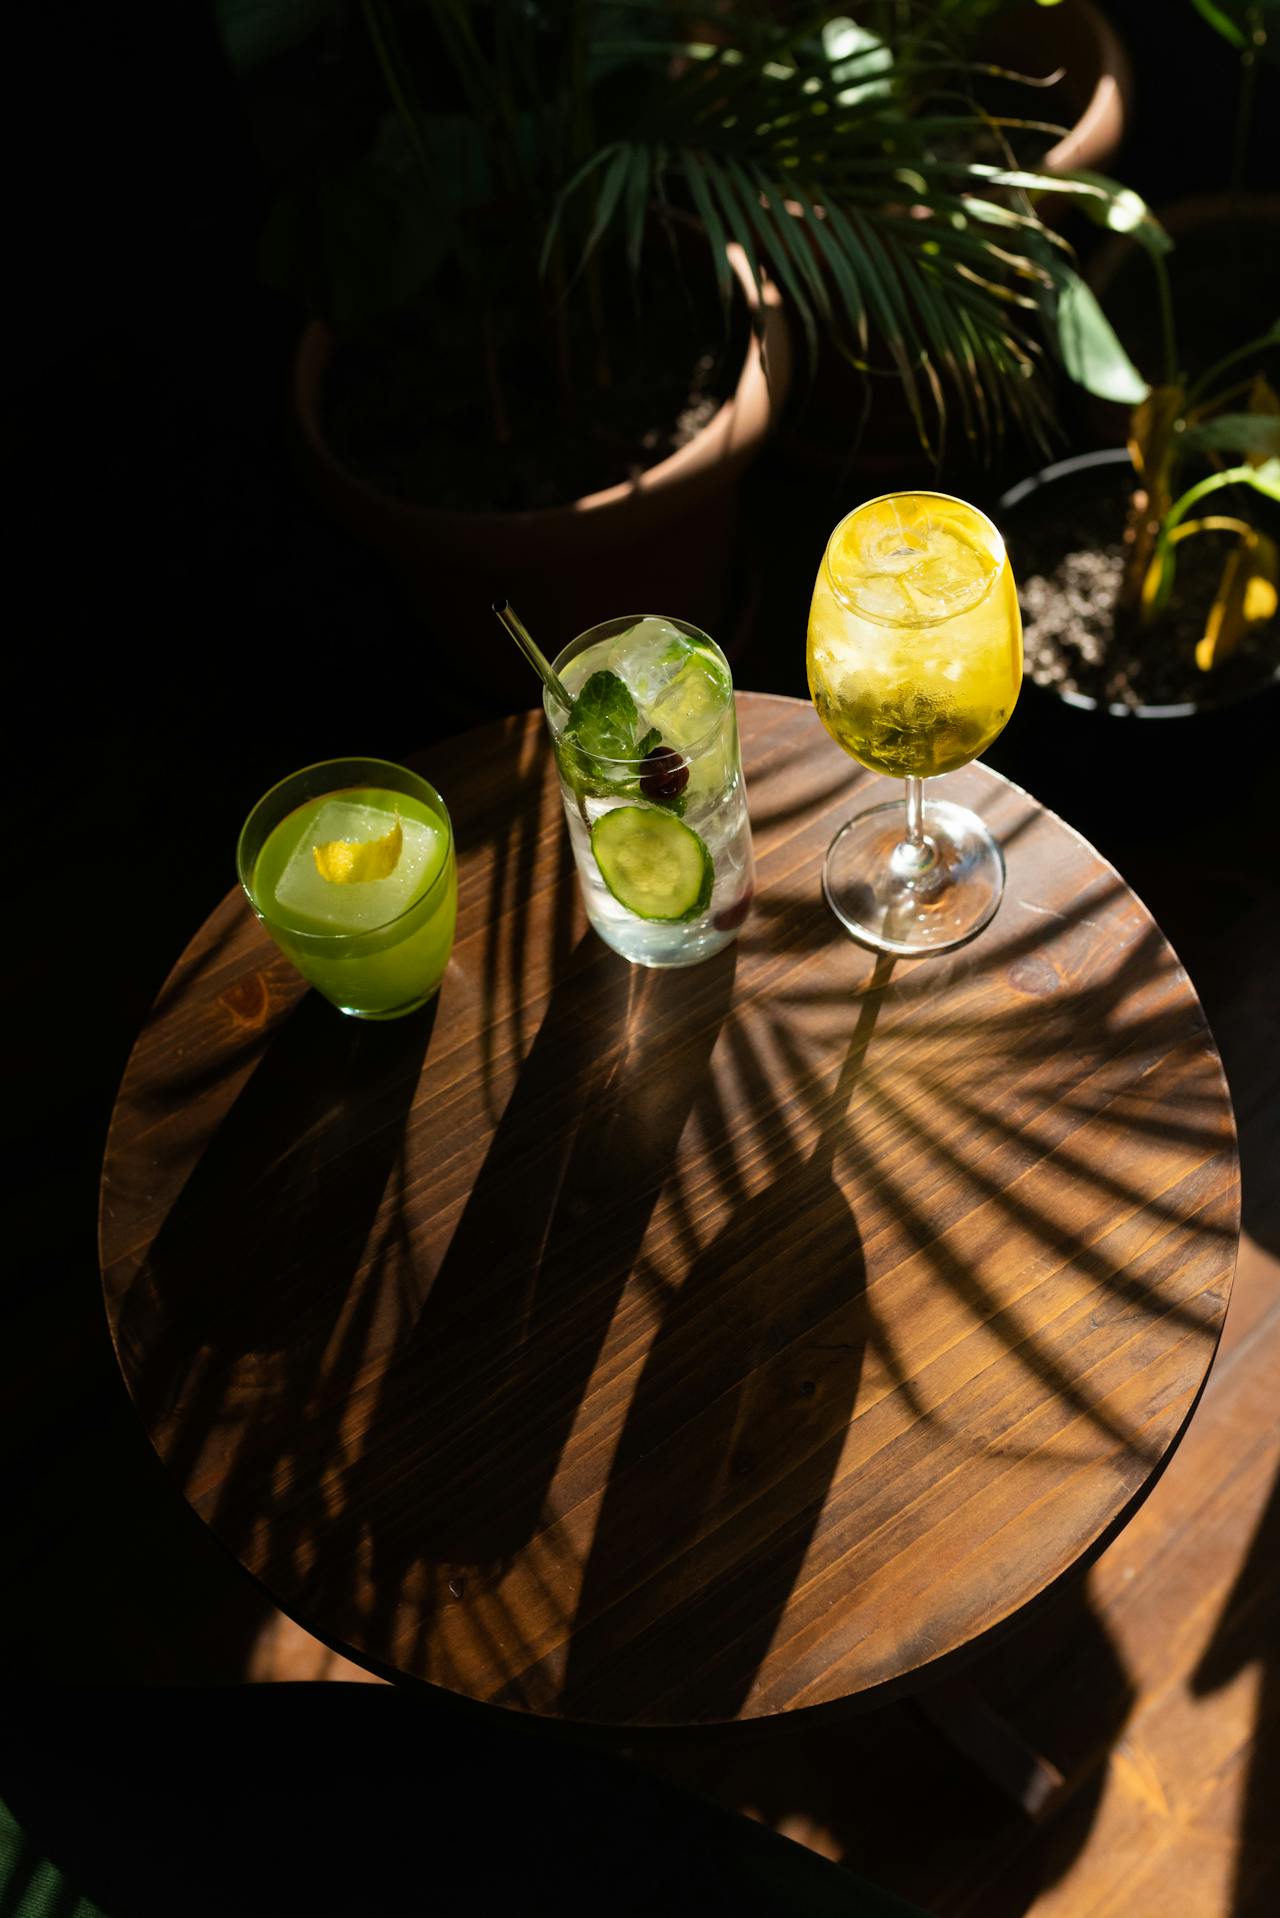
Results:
602 727
604 718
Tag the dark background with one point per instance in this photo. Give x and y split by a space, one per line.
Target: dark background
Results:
184 628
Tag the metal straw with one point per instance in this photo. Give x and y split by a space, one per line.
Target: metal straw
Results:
532 652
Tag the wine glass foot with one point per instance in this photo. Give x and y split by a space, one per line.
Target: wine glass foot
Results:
896 903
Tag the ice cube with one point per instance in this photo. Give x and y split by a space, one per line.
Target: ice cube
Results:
953 575
691 704
882 596
893 534
356 907
902 562
648 657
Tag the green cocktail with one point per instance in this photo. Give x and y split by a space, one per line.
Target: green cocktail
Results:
350 866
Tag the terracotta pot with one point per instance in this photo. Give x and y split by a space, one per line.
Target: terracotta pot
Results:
662 543
1094 97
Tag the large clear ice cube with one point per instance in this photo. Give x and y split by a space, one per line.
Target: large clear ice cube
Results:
648 657
902 564
690 705
364 903
952 576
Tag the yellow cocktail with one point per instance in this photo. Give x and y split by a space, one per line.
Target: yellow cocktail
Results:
914 661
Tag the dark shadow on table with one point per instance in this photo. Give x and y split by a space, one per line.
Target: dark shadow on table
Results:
703 1530
251 1271
1248 1633
493 1374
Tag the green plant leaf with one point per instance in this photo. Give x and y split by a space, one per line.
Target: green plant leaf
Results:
1087 343
1104 200
598 750
1222 23
1243 25
603 720
859 59
358 244
954 353
605 157
691 167
884 300
1157 584
610 192
1246 596
1210 377
1264 479
855 312
736 219
777 243
637 209
922 257
1248 433
1118 208
791 235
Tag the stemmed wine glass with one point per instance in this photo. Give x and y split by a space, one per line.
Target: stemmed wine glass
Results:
915 662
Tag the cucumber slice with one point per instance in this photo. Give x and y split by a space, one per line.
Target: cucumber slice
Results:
652 863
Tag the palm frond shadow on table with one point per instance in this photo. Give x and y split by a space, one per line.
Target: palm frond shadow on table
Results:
619 1395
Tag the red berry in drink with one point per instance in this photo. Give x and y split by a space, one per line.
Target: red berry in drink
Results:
663 774
730 916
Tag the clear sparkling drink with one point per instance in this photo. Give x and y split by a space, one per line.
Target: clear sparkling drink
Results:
651 778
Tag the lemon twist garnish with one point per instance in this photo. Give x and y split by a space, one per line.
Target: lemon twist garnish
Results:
346 862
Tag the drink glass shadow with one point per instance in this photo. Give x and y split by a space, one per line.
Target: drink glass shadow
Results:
245 1318
503 1351
705 1525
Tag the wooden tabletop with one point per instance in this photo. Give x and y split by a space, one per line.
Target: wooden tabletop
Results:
644 1347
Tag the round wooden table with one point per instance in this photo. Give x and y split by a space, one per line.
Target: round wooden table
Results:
654 1348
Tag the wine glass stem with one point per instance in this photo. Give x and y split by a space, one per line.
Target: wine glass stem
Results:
913 856
915 812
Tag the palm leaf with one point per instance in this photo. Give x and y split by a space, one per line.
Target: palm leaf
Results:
894 270
785 250
837 262
789 235
736 220
880 304
773 115
610 192
694 174
639 180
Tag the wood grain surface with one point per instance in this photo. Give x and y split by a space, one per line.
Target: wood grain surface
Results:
652 1348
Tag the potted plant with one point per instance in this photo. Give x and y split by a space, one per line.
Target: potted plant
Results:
1053 79
1149 573
516 224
